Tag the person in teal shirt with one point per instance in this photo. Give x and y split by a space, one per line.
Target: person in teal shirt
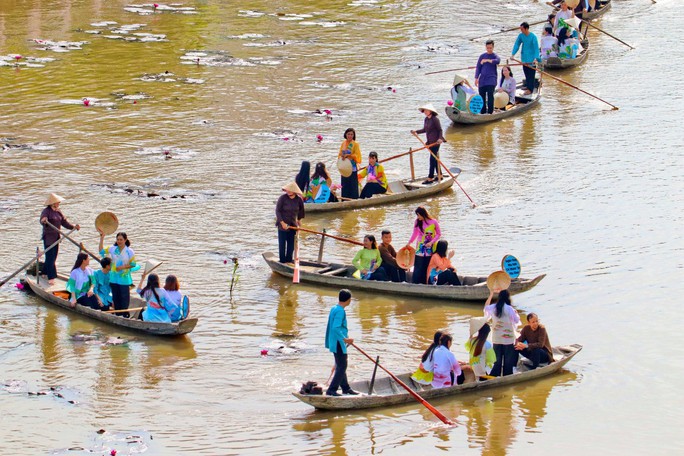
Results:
529 53
368 260
336 340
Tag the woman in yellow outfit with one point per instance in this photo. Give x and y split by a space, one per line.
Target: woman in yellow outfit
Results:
350 150
376 181
368 260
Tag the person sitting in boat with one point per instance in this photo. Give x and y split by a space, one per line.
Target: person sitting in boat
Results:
507 84
173 297
350 150
533 342
562 31
440 271
156 299
80 283
446 370
302 180
482 356
426 233
320 186
368 260
376 181
505 320
101 286
461 91
389 259
423 374
548 43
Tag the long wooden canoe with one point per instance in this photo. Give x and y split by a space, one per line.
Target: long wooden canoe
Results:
398 191
556 63
340 276
387 392
46 291
523 103
596 13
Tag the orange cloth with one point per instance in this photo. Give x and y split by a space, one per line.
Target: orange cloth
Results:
440 263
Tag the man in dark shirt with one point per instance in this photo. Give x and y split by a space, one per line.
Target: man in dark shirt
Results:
289 211
389 259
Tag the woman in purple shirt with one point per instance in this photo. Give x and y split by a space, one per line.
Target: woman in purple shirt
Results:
433 134
485 77
52 214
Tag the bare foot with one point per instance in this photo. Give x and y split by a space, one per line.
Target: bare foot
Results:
51 281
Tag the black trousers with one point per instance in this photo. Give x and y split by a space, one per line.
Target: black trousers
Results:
448 277
529 76
121 297
380 275
420 269
434 165
49 266
340 376
372 188
487 94
286 240
90 301
506 358
536 355
394 274
350 186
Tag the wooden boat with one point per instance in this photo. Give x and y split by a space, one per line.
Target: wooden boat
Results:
397 191
556 63
387 392
523 103
598 12
340 276
47 292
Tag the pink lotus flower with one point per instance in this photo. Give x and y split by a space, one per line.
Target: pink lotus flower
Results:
20 286
450 102
225 261
327 111
264 352
86 102
113 452
18 57
156 5
319 138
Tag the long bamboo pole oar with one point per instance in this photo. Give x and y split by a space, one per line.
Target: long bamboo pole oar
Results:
123 310
79 245
506 31
410 151
447 170
603 31
615 108
28 263
461 69
351 241
415 395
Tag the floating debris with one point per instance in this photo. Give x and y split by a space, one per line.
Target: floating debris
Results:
30 146
59 46
90 102
151 8
153 192
111 443
213 58
166 152
284 135
20 61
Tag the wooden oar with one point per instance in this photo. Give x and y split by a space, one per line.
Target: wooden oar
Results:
506 31
295 276
410 151
123 310
351 241
615 108
460 69
447 170
27 264
603 31
77 244
415 395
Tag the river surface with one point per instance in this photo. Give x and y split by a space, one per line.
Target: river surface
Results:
589 196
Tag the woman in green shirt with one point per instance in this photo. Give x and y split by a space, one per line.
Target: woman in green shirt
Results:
368 260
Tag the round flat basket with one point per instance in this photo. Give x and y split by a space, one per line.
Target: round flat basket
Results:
498 280
345 167
107 222
406 256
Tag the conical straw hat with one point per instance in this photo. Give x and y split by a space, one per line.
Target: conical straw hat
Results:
107 222
345 167
151 265
572 4
294 188
428 107
458 78
52 199
406 256
498 280
477 323
501 99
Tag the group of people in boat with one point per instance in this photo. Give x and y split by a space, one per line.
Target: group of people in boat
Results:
561 36
440 368
109 287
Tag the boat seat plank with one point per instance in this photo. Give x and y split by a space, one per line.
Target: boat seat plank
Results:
335 272
321 271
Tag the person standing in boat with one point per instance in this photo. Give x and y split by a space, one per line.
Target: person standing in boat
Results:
433 133
350 150
559 29
376 181
533 342
368 260
389 259
80 283
440 271
505 320
336 340
123 260
289 211
485 77
426 233
54 216
446 370
528 55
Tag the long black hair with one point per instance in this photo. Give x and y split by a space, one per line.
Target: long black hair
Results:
152 285
445 339
320 171
441 248
502 75
426 216
302 178
80 258
374 245
431 348
504 298
477 342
